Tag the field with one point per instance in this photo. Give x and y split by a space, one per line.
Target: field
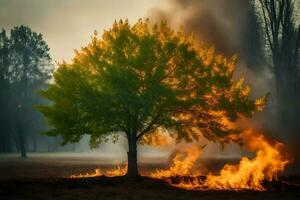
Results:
43 176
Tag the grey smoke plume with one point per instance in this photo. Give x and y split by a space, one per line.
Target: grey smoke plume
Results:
231 26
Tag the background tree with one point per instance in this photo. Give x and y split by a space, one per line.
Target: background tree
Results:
283 39
252 50
30 69
282 32
135 80
5 62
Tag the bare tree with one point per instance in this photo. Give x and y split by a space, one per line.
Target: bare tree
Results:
283 41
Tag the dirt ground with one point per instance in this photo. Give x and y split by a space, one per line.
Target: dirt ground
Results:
44 177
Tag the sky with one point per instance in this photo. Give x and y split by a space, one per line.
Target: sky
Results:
69 24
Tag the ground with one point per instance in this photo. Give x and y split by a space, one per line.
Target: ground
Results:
44 177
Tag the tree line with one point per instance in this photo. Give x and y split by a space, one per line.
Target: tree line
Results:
25 66
280 25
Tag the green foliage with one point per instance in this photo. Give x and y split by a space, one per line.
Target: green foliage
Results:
138 78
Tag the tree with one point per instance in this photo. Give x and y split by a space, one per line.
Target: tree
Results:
135 80
30 69
283 40
252 39
5 63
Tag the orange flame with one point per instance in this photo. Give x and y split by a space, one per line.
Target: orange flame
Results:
249 173
270 159
119 171
182 164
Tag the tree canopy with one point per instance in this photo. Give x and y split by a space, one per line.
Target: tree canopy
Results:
139 78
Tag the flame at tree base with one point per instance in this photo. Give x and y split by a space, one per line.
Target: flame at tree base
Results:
270 159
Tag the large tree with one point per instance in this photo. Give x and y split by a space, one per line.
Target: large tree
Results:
137 79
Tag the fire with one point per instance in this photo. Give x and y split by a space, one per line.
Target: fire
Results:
249 173
270 158
119 171
182 164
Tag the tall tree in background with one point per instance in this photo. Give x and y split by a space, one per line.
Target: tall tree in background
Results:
26 66
5 63
137 80
283 39
252 39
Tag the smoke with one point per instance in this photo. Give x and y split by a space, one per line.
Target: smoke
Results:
218 23
231 27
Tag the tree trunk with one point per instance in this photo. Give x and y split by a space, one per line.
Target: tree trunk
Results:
22 145
20 137
34 143
132 170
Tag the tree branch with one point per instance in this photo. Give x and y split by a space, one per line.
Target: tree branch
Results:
148 128
264 7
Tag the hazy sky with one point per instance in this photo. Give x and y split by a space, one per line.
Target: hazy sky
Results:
69 24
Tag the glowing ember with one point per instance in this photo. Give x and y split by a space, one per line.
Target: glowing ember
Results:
119 171
248 174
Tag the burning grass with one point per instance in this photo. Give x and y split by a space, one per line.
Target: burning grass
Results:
249 174
270 159
39 177
119 171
